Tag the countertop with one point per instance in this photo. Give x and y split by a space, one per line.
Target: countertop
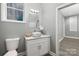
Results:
42 36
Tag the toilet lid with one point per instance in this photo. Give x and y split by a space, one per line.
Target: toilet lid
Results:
11 53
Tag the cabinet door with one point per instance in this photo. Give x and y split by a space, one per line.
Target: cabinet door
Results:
44 48
33 50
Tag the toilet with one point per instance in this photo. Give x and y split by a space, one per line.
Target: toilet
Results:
12 45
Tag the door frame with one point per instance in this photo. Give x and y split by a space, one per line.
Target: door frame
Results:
57 9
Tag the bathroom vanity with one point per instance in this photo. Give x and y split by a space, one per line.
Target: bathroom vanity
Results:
37 46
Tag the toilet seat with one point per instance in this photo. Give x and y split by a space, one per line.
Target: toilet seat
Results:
11 53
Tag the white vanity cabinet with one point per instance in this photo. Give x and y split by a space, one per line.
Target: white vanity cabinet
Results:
37 46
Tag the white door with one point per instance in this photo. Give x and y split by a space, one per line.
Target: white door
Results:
44 48
33 50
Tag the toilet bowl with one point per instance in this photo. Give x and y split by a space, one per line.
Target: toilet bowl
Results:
12 45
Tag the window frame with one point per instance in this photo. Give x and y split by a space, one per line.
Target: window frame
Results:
4 14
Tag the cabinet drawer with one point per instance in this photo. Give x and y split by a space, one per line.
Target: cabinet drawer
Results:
37 49
33 50
37 41
44 48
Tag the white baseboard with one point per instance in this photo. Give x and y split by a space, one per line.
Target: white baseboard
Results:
61 39
52 53
72 37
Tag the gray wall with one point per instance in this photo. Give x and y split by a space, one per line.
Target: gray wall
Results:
60 26
10 30
49 21
71 33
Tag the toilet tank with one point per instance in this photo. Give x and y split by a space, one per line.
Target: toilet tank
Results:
12 43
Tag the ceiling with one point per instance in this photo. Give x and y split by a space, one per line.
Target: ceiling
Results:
71 10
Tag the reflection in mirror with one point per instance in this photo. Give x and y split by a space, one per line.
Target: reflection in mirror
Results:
34 18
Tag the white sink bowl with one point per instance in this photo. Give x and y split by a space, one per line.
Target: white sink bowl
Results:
36 34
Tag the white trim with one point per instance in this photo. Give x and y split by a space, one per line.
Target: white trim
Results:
72 37
57 41
57 32
63 5
13 21
4 14
63 27
52 53
61 39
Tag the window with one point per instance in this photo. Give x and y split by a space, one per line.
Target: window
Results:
73 23
13 12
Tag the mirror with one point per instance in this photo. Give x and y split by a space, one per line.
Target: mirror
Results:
34 19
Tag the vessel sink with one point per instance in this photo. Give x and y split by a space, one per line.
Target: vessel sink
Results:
36 34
